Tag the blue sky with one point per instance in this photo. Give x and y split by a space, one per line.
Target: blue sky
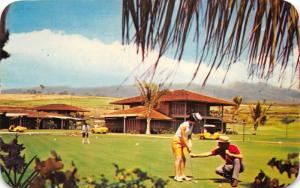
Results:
77 43
91 18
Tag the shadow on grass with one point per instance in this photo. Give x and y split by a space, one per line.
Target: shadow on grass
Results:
215 180
245 185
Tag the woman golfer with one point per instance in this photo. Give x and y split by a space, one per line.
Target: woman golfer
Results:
182 144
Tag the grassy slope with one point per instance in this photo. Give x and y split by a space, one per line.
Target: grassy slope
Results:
34 100
96 105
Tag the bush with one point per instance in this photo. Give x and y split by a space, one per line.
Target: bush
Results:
231 132
290 166
17 174
135 178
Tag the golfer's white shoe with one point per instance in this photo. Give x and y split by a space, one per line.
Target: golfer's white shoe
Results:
186 178
179 179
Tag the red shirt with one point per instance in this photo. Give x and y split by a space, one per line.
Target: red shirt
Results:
232 149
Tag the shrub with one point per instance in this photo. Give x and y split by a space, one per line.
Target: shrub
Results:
135 178
290 166
17 173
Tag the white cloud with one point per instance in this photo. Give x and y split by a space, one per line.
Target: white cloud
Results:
53 58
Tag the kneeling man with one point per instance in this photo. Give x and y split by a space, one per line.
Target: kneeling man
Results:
232 157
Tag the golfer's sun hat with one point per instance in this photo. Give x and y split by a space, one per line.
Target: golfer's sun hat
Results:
196 116
224 139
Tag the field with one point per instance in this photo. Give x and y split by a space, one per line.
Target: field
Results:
153 153
96 105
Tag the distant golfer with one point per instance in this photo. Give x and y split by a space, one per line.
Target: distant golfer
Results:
85 133
182 145
233 160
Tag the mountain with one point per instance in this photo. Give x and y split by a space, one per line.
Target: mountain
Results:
250 92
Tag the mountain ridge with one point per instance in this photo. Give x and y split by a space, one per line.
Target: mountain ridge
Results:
249 91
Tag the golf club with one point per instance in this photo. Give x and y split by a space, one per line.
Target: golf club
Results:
191 166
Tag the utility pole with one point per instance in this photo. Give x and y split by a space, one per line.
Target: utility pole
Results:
244 123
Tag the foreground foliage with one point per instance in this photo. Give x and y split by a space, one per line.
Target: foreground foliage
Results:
290 166
265 31
126 179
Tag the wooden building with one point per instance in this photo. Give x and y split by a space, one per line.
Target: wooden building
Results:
133 120
175 105
61 116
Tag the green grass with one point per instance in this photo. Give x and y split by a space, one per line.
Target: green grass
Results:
153 155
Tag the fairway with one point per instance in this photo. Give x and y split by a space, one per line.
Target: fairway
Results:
153 155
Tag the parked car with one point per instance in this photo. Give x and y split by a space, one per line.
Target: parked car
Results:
210 132
99 129
14 128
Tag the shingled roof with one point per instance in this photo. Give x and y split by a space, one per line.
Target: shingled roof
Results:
139 112
59 107
14 109
178 95
19 111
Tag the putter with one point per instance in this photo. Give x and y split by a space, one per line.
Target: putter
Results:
194 181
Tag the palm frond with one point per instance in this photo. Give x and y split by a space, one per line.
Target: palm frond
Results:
4 34
265 32
151 93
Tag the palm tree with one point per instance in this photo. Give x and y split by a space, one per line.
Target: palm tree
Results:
151 94
267 31
259 114
237 101
4 35
235 111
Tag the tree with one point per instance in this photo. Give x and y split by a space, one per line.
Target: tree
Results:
4 35
151 94
287 120
50 124
42 87
259 114
235 111
237 103
265 31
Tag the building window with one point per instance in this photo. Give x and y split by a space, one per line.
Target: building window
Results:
178 108
201 108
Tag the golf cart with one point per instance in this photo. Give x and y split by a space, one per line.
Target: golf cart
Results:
15 128
210 132
99 127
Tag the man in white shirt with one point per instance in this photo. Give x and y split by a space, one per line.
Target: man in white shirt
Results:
85 133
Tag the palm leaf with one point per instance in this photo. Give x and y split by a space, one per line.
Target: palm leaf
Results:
4 34
264 32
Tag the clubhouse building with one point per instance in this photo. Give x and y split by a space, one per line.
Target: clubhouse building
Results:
51 116
173 108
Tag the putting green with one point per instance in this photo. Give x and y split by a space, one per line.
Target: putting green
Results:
153 154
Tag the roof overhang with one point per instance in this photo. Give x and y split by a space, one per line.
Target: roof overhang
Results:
15 114
120 115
